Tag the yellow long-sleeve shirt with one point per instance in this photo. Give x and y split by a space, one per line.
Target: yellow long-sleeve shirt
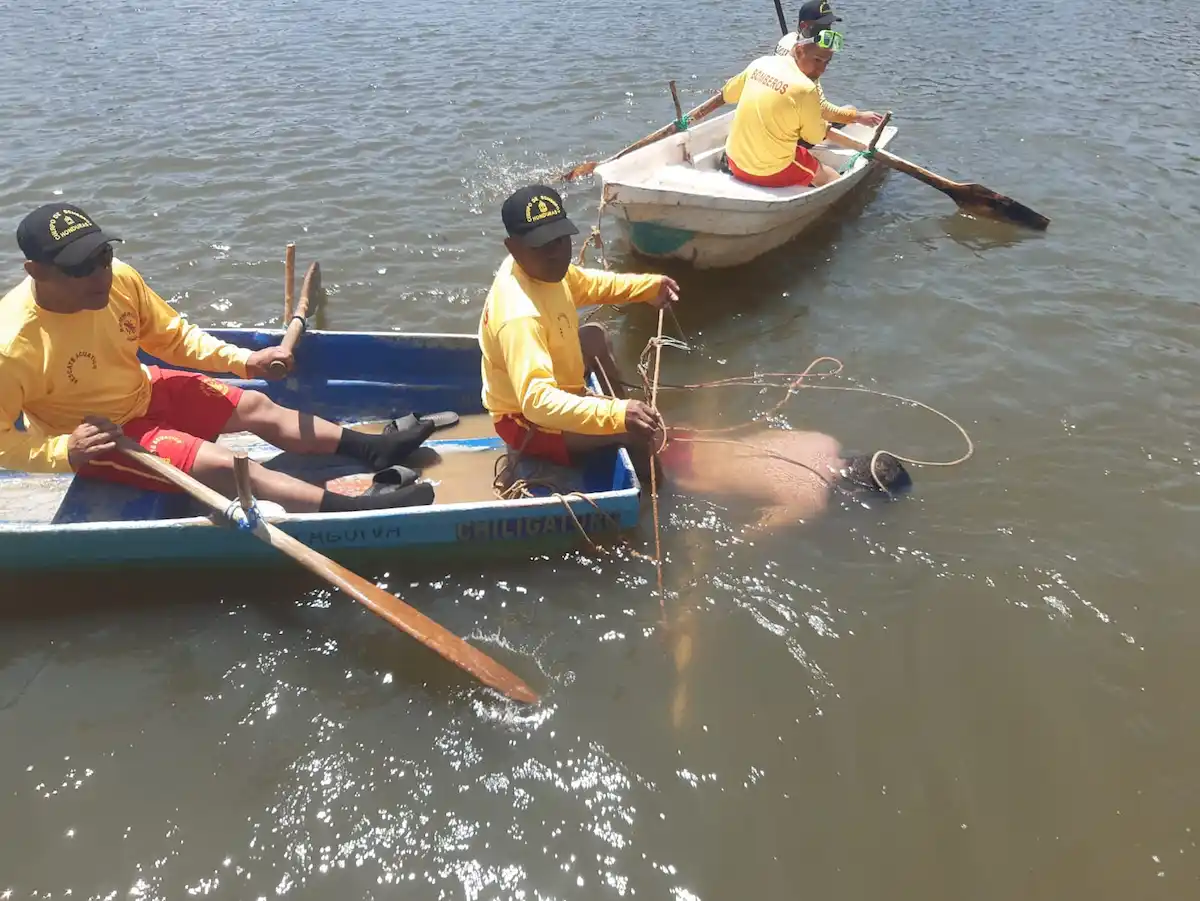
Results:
57 368
776 106
532 361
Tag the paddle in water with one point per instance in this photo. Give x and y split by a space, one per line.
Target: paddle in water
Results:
371 596
971 198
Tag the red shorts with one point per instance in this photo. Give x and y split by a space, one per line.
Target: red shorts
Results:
522 435
800 173
186 409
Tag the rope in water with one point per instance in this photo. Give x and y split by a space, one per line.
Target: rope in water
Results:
658 343
796 382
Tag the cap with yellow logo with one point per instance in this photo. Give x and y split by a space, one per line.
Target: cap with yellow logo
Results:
61 234
534 215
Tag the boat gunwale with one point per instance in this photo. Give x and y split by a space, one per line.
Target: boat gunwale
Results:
798 196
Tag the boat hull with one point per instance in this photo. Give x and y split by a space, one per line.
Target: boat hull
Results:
671 202
351 377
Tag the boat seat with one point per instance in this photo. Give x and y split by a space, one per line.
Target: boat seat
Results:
709 159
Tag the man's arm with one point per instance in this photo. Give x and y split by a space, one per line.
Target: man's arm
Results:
21 450
732 90
831 112
846 115
531 370
171 338
593 286
811 125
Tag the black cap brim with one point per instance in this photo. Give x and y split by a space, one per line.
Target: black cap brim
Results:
78 251
551 231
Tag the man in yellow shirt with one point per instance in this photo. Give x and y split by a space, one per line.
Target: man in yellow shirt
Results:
536 356
817 16
779 116
69 371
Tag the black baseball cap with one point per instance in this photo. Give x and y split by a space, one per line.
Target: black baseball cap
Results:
816 12
61 234
534 215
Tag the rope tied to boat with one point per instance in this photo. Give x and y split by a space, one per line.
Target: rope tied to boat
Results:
595 239
867 154
508 487
242 519
683 122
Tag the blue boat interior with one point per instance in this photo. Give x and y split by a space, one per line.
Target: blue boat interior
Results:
353 378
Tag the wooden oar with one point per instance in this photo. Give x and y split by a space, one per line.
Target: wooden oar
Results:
298 322
713 103
374 598
289 282
971 198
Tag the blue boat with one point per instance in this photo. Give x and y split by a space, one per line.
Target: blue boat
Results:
56 522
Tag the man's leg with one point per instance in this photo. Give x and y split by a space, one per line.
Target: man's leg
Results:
303 433
825 174
213 465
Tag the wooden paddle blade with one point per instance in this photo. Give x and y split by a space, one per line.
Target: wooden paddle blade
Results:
310 288
978 200
402 616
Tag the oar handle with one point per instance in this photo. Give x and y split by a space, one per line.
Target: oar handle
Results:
299 321
887 117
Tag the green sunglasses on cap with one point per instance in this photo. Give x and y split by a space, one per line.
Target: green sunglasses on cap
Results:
826 40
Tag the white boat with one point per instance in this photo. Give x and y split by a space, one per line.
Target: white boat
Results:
671 200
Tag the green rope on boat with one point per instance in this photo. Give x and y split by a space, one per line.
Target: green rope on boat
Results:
865 154
682 123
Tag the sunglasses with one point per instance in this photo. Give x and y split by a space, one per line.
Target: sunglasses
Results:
826 40
102 259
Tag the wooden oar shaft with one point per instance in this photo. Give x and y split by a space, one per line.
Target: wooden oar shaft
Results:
712 103
296 324
693 115
896 162
366 593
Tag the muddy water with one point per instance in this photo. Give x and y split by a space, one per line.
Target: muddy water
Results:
984 691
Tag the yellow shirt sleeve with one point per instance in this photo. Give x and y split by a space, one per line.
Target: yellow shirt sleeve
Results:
813 126
171 338
732 91
831 112
531 371
594 286
25 451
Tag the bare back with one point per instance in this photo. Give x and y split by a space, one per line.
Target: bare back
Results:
776 469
